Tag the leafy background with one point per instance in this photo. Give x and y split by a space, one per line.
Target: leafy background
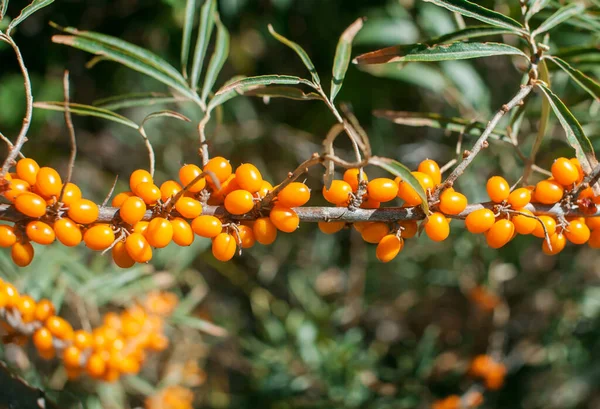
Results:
313 320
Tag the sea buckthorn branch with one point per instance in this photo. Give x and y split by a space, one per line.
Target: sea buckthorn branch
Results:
22 137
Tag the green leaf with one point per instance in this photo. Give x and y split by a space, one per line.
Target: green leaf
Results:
575 135
470 32
423 75
135 100
245 84
283 92
3 7
167 113
34 6
560 16
207 23
575 54
186 37
423 52
136 62
86 110
300 51
586 83
218 58
342 57
535 7
473 10
199 324
404 173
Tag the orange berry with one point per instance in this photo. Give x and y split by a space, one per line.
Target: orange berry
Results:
264 230
480 221
83 211
248 177
594 241
410 195
72 356
44 310
284 218
67 232
351 177
22 254
15 188
550 224
141 227
183 234
431 168
558 242
577 232
42 339
169 189
9 294
71 193
577 165
99 237
382 189
409 228
120 198
120 255
239 202
220 167
132 210
228 186
47 354
59 328
48 182
437 227
452 202
30 204
224 247
369 203
159 233
593 222
246 235
207 226
187 174
27 170
564 171
501 232
148 191
188 207
388 248
139 176
519 198
26 307
7 236
295 194
95 366
82 339
138 248
331 227
374 232
524 224
548 191
338 192
265 188
497 189
40 232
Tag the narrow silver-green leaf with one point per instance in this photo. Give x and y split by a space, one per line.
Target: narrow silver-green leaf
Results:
165 113
473 10
136 100
98 48
283 92
342 57
86 110
560 16
3 7
247 83
34 6
586 83
205 29
423 52
575 54
199 324
300 51
423 75
470 32
535 7
398 169
575 135
186 35
218 58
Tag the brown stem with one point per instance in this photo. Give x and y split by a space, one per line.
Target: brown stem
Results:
69 122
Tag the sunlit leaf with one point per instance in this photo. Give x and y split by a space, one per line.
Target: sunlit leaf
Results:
586 83
423 52
473 10
186 37
135 100
274 91
205 29
166 113
342 57
398 169
34 6
560 16
3 7
217 60
535 7
248 83
300 51
87 110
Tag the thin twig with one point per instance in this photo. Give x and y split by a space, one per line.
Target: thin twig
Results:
73 142
10 144
149 148
292 176
110 192
22 137
589 180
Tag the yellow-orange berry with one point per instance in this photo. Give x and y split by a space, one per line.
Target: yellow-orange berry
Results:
40 232
519 198
48 182
224 247
27 170
22 253
577 165
83 211
577 232
99 237
187 174
82 339
594 241
15 189
410 195
497 189
382 189
338 192
148 191
295 194
139 176
547 221
557 241
331 227
239 202
220 167
95 366
59 328
67 232
159 233
524 224
437 227
72 356
30 204
264 230
389 247
132 210
141 227
409 228
246 236
564 171
284 218
500 233
188 207
71 193
120 198
26 307
120 255
248 177
480 221
169 189
431 168
265 188
452 202
138 248
374 232
7 236
351 177
44 310
548 191
183 234
42 339
207 226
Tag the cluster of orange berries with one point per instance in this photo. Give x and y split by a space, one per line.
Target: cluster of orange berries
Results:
389 237
119 346
171 397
